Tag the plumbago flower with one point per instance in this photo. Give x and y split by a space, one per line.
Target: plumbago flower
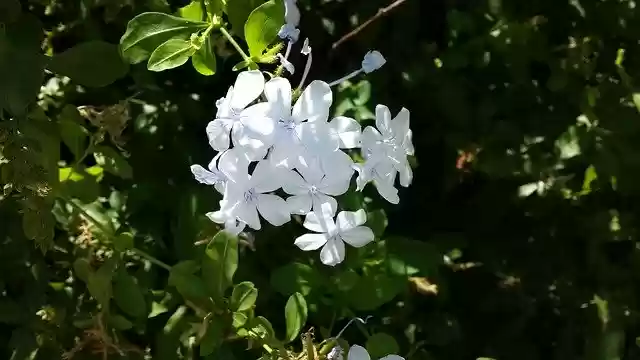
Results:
331 235
357 352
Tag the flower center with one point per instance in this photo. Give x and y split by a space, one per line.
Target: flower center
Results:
234 113
287 125
313 190
250 195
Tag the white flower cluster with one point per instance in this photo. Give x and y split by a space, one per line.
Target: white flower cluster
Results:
264 146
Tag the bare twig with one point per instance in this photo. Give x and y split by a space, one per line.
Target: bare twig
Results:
381 12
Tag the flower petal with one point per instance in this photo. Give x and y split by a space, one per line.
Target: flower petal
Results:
359 236
319 223
218 133
293 183
273 209
357 352
299 204
347 130
408 143
204 176
266 177
248 87
387 191
249 214
308 242
370 142
235 166
350 219
258 119
334 186
314 103
332 252
392 357
383 120
400 124
406 174
337 165
278 93
317 138
322 202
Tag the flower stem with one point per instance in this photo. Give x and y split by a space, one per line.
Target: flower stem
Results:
107 231
307 67
234 43
345 78
286 53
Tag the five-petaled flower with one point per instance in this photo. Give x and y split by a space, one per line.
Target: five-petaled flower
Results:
331 235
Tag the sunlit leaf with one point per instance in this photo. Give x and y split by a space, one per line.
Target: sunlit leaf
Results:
262 26
295 313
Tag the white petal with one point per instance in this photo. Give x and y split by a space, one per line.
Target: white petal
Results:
278 92
408 143
359 236
383 120
314 103
266 178
293 183
400 124
217 217
308 242
249 214
235 166
357 352
373 60
334 186
317 138
350 219
291 12
204 176
332 252
258 118
322 224
310 169
248 87
274 209
322 202
338 165
406 174
299 204
392 357
218 134
363 177
387 191
370 142
284 155
347 130
220 187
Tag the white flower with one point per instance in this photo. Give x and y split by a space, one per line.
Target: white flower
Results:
286 64
231 224
357 352
287 129
392 143
247 195
373 60
289 31
231 109
291 13
382 174
332 236
213 176
313 188
347 131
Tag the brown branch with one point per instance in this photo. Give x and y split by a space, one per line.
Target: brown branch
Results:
381 12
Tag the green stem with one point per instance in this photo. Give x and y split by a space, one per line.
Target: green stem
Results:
235 44
106 230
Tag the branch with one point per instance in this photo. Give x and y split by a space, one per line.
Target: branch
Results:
381 12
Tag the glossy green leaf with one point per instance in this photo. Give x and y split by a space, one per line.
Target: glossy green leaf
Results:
148 31
238 11
381 344
243 297
171 54
212 338
262 327
239 319
128 295
183 277
374 290
295 313
82 185
220 262
295 277
81 61
193 11
99 283
262 26
112 161
204 60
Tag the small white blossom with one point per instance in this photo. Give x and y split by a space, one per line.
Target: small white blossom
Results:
331 235
231 109
231 224
286 64
382 174
247 195
391 142
347 131
357 352
373 60
213 176
289 32
313 188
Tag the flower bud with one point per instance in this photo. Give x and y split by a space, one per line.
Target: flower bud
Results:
373 60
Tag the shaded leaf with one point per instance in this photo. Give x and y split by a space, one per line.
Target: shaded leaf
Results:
381 344
113 162
238 11
92 63
295 277
220 262
295 313
171 54
128 295
243 297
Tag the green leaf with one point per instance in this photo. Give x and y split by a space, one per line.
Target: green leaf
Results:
239 319
113 162
204 60
374 290
295 313
171 54
295 277
381 344
81 185
148 31
220 262
73 134
82 269
238 11
216 7
193 11
123 241
119 322
128 295
346 280
243 297
21 64
408 257
212 338
262 327
38 225
99 283
92 63
188 285
263 25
